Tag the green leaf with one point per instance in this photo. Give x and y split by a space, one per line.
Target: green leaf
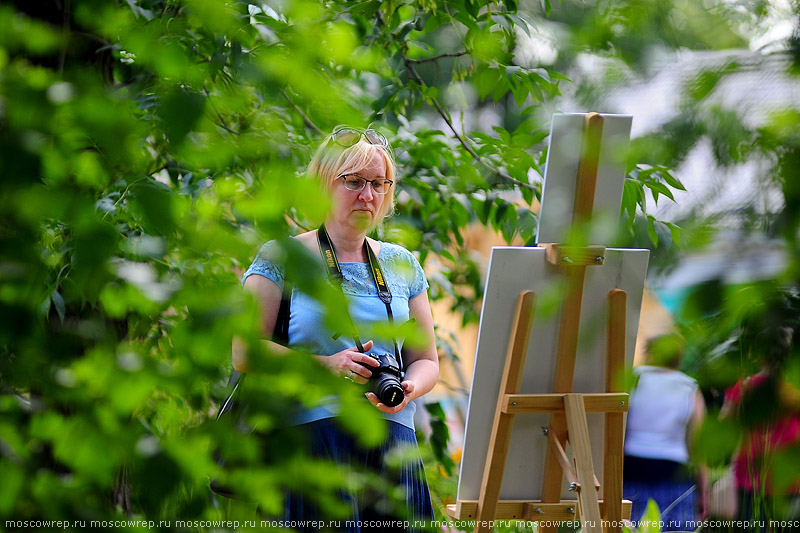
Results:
675 230
704 83
154 204
526 226
368 428
440 436
94 243
58 303
520 23
651 230
487 79
501 88
651 519
785 468
527 195
632 195
554 75
469 177
180 111
716 440
13 477
672 181
657 187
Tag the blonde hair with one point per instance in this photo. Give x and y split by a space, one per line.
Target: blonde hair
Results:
331 161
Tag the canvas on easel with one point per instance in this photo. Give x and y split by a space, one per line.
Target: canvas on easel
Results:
561 169
541 303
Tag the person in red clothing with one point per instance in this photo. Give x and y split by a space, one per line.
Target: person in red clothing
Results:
768 407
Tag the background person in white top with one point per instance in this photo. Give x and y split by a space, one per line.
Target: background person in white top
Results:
666 407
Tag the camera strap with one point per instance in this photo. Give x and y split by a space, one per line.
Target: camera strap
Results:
335 273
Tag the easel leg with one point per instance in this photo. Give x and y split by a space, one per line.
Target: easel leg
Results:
565 370
582 451
615 422
571 314
503 422
587 168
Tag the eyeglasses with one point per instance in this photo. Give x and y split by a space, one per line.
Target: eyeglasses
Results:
347 136
354 182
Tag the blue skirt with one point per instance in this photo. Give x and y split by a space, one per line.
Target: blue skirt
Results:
395 496
666 482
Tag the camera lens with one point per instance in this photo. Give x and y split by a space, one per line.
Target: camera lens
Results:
389 390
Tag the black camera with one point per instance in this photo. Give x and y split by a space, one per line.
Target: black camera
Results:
385 380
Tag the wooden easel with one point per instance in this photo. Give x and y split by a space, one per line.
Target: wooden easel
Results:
567 410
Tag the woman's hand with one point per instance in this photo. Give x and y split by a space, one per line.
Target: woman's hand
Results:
408 396
350 363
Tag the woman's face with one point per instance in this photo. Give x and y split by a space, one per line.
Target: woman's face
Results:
358 209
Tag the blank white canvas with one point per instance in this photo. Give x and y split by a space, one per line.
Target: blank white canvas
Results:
561 175
512 270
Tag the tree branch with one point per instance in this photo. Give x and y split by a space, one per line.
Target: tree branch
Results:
461 139
409 63
379 16
436 58
225 127
293 219
306 119
222 124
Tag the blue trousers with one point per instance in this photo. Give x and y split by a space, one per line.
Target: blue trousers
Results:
666 482
394 495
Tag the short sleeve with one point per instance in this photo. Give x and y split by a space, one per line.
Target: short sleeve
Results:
734 394
404 273
268 263
419 282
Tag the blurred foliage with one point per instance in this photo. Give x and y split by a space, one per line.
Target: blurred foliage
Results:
743 320
149 147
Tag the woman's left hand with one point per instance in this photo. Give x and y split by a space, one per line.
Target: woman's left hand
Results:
408 389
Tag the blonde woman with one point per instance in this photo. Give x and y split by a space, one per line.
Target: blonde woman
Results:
356 167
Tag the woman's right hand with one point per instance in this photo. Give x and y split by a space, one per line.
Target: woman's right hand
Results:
350 363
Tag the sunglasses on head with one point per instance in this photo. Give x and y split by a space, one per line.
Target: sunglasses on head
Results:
347 136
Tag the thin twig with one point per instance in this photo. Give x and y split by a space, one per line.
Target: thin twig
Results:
222 124
379 16
461 139
411 70
93 37
293 219
454 388
62 56
225 127
306 118
436 58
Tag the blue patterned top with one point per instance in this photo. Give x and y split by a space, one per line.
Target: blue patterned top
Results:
406 280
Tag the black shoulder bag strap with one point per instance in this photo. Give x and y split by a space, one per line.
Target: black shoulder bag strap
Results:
280 333
335 273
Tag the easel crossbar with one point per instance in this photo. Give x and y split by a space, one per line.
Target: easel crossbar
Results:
531 510
554 403
572 256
